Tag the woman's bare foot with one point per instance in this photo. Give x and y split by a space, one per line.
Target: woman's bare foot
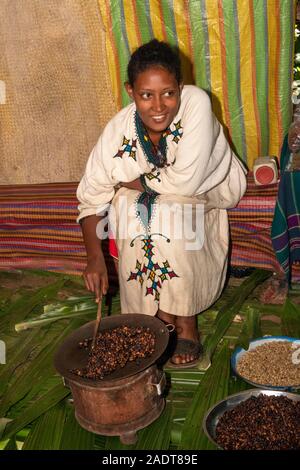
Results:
186 328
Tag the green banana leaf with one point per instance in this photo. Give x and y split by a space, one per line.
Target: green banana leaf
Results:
212 388
46 432
251 328
37 370
74 437
227 313
35 410
290 319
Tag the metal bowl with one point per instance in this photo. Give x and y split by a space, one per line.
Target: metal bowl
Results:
239 352
214 414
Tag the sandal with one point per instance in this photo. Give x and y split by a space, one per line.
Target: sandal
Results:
186 346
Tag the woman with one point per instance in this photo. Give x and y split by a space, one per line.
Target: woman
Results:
177 174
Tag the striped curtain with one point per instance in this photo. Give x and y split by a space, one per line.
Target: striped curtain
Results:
239 51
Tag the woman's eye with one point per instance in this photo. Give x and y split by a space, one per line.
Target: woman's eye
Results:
169 93
146 96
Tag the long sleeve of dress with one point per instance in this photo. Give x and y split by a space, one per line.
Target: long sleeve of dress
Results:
203 156
96 188
228 193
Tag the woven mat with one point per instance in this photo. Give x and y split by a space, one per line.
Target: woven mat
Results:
58 93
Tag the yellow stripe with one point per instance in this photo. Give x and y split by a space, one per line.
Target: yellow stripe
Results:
111 59
273 69
181 27
130 25
183 35
215 58
112 69
156 19
246 80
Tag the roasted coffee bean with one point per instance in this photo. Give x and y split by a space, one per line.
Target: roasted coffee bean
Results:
261 423
114 349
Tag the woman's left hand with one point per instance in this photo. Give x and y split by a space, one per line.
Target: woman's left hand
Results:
135 184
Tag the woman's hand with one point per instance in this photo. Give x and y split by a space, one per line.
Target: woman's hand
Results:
95 276
135 184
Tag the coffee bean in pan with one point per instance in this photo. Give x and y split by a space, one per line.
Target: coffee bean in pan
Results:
114 349
261 423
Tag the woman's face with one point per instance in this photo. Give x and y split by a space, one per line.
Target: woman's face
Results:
157 97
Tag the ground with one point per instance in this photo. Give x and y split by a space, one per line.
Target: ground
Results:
34 400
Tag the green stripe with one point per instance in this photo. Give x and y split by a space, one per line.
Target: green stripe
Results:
262 74
169 22
123 54
200 43
142 20
233 84
287 9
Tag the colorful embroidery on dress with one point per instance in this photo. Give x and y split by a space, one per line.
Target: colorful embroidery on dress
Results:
151 271
151 176
176 133
127 148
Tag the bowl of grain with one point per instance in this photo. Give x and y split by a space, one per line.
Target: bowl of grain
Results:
271 362
255 419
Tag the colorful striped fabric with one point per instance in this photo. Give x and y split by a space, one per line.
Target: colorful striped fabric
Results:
250 229
240 51
285 231
38 229
250 225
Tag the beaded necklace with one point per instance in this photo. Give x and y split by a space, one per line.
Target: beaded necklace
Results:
155 154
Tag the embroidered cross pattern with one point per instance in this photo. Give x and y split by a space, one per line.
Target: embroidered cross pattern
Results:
127 148
151 270
151 176
176 133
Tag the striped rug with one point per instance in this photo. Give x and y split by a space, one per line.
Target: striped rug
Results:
240 51
38 228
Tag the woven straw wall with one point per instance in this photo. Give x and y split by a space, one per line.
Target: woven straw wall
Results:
58 95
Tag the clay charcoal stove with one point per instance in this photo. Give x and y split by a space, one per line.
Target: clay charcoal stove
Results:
114 348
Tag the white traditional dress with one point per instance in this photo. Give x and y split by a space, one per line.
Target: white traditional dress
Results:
172 238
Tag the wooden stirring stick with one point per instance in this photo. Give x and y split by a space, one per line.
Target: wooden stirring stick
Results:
98 319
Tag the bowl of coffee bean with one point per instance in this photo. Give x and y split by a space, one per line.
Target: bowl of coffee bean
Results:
271 362
255 419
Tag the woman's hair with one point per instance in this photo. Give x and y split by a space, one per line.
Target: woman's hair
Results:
154 53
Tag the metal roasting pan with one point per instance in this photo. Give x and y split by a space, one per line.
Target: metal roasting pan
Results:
69 356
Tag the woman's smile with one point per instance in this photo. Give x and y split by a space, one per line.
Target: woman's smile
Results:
156 94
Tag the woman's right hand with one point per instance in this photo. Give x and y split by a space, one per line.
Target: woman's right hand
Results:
95 276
